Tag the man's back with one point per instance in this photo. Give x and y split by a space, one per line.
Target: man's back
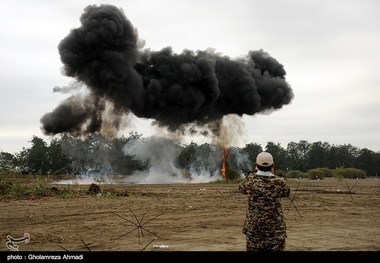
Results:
264 220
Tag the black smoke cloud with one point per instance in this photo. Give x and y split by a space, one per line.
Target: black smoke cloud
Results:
193 88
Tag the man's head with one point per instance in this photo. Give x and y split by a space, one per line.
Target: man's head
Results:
264 161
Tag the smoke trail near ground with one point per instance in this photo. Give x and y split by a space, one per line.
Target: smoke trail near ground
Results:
176 91
161 154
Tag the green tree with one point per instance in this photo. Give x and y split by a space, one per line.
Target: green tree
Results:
297 154
318 155
368 161
343 155
58 162
37 161
187 156
279 155
121 163
252 150
7 160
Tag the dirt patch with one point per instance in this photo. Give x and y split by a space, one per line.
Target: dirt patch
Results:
325 215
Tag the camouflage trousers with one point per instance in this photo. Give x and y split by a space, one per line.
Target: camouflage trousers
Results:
270 244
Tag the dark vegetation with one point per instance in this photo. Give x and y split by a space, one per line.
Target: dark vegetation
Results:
96 154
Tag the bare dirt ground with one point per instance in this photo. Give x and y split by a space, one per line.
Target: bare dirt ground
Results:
325 215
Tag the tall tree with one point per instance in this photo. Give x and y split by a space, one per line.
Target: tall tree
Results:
37 159
187 156
7 161
279 155
318 155
252 150
368 161
59 163
343 155
297 154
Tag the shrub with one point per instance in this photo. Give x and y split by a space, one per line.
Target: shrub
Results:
315 174
326 172
351 173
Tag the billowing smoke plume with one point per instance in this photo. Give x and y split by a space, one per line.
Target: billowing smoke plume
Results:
196 88
160 153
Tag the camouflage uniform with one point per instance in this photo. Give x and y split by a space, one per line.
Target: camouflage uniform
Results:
264 226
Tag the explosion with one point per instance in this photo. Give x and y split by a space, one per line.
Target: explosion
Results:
176 91
185 94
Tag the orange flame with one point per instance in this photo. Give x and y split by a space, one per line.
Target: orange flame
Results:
226 154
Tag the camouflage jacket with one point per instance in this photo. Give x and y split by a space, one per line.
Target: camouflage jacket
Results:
264 218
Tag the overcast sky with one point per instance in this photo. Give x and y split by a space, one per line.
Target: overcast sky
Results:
330 50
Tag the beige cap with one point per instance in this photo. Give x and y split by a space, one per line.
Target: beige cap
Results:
264 159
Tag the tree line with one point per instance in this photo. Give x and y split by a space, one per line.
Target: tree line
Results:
72 155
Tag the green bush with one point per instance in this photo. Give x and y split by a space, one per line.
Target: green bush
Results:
350 173
39 188
10 188
326 172
315 174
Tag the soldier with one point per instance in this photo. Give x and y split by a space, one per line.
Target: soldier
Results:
264 226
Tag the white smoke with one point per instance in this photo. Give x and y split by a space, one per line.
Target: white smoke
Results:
161 153
232 132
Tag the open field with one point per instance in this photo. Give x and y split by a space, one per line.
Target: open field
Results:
325 215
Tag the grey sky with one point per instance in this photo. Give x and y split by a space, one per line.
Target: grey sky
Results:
329 49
